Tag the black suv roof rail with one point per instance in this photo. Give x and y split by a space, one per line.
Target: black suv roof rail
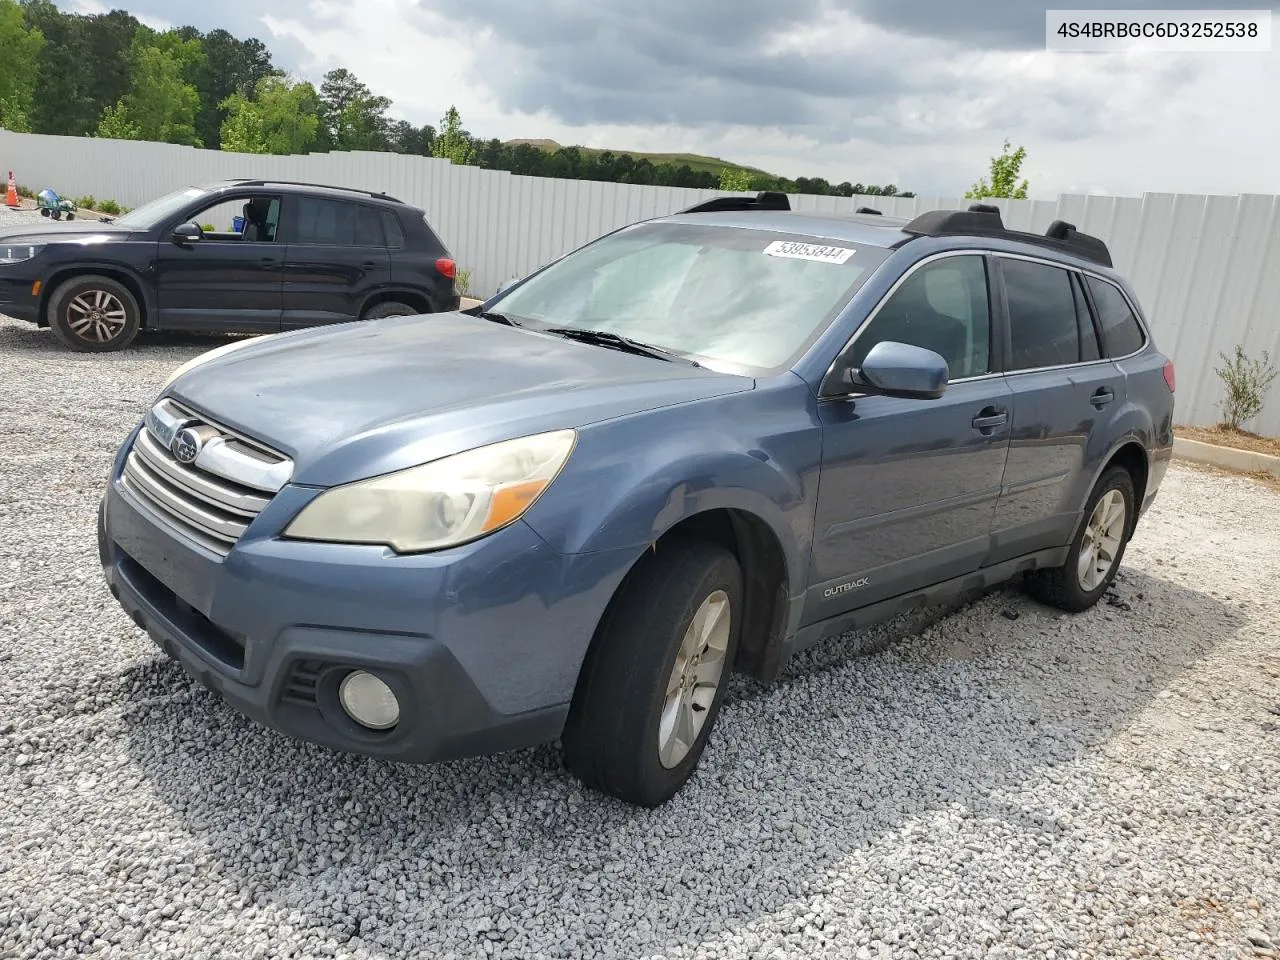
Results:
765 200
871 210
318 186
984 219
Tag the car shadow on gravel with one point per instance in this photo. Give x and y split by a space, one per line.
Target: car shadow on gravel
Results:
799 777
17 337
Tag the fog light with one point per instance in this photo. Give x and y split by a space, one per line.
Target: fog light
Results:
368 701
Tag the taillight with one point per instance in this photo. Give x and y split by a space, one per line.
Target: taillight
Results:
448 269
1168 374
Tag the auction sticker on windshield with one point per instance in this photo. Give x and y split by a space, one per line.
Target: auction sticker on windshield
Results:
808 251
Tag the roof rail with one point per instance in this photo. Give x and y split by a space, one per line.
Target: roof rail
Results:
869 210
765 200
318 186
984 219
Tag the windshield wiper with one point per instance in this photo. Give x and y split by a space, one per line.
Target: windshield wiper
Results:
603 338
493 316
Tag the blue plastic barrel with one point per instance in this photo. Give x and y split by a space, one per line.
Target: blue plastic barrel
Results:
237 224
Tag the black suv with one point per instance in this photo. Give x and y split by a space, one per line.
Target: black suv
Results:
251 256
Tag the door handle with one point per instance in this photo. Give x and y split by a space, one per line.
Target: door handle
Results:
369 265
989 418
1102 396
268 261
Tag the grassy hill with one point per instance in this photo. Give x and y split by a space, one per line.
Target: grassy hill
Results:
696 161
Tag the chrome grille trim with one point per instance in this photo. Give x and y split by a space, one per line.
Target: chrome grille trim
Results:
212 500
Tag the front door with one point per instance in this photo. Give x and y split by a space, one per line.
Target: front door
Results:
336 258
909 487
228 280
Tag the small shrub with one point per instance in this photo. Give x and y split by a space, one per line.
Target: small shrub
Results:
26 192
1247 381
208 228
109 207
86 203
462 282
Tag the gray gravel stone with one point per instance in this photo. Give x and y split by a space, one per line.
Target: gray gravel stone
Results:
974 786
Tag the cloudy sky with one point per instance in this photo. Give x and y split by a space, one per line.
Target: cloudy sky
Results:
915 92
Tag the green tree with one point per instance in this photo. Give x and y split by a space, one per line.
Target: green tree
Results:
452 142
735 180
230 66
161 105
20 49
354 119
1004 177
282 118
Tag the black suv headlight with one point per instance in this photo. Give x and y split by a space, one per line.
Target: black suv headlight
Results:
17 252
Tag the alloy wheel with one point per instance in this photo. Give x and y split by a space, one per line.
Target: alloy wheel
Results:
695 677
1103 537
96 316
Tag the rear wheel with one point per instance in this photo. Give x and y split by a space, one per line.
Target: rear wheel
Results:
1095 554
654 679
391 308
94 314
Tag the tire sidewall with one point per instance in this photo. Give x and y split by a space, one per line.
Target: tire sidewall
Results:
387 309
1116 478
721 574
60 302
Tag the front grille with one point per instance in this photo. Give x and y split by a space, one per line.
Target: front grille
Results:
213 499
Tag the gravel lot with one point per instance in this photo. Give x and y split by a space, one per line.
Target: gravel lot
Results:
1005 782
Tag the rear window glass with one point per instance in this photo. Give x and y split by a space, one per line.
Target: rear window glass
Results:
336 223
1120 329
1043 329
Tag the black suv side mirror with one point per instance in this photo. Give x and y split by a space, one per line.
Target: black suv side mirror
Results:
187 233
891 369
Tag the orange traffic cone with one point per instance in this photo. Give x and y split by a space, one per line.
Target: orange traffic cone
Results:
11 195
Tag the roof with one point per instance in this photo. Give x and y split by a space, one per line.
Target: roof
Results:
981 223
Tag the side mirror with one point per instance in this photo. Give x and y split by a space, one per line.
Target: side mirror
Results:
894 369
187 233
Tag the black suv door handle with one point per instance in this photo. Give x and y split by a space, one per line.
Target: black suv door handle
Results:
1102 396
989 418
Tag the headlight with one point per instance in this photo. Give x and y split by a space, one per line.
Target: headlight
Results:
17 252
439 504
206 357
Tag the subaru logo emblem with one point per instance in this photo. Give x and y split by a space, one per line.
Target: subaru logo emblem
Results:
186 445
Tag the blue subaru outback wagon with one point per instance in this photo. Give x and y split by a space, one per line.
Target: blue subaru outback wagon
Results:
695 445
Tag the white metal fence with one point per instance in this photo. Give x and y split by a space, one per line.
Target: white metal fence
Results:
1207 268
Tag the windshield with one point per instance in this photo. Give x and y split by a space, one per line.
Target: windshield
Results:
747 298
155 212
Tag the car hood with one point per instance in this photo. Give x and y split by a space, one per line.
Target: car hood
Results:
363 399
77 231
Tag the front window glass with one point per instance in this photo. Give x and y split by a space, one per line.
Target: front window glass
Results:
155 212
746 298
941 307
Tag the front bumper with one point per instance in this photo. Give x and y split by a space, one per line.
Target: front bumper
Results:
16 299
482 644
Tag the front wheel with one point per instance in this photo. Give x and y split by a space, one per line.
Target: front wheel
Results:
1094 557
654 679
94 314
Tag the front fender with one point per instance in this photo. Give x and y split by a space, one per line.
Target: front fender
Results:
629 481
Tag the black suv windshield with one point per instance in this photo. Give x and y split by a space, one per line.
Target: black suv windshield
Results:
155 212
746 298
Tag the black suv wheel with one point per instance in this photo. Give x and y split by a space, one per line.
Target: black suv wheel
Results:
94 314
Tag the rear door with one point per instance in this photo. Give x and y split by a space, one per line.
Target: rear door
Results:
223 281
1064 394
336 256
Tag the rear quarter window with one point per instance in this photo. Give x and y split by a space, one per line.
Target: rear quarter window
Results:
1121 332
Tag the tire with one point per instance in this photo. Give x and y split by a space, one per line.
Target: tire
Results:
618 738
44 212
71 216
56 214
390 308
94 314
1072 588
